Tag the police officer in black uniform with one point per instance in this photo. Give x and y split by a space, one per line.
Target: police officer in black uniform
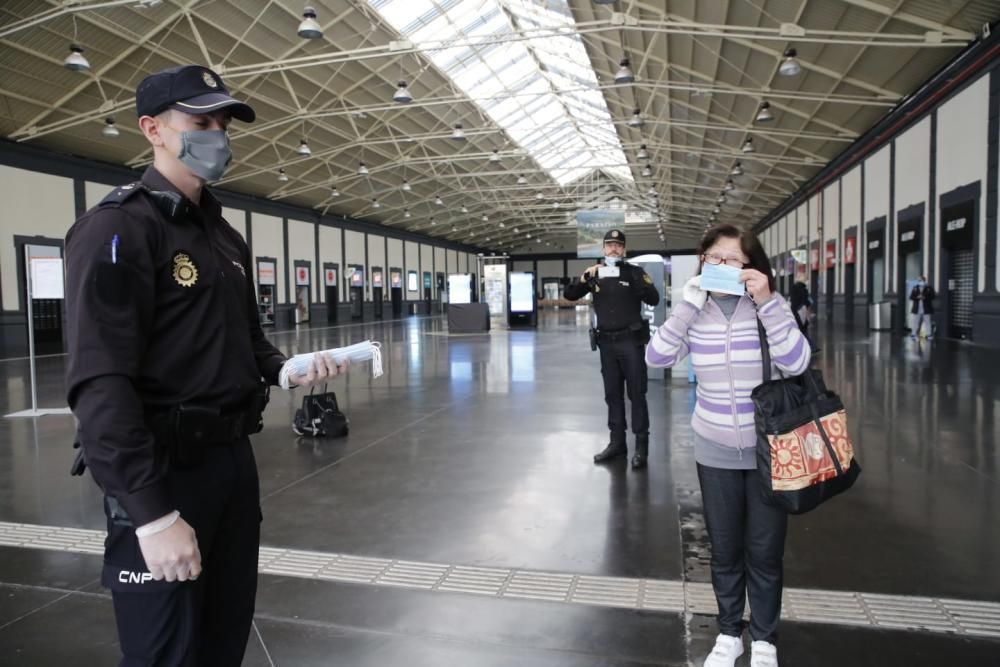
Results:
167 376
619 290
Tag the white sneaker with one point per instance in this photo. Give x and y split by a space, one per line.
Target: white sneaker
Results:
763 654
727 649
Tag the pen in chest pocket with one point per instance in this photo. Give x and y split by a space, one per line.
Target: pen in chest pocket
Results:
114 249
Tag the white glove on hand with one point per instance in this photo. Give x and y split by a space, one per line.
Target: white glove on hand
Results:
321 368
172 552
694 294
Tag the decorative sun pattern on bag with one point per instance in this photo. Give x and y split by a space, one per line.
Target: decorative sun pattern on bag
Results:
800 458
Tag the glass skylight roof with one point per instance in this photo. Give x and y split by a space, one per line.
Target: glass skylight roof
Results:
518 83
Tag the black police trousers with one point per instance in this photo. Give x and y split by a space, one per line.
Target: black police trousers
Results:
748 545
198 623
623 366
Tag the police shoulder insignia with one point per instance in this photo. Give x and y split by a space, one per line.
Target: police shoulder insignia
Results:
649 281
185 272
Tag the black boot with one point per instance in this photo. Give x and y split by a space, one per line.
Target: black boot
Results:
615 449
641 451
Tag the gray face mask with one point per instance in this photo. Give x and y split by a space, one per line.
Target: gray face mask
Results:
206 153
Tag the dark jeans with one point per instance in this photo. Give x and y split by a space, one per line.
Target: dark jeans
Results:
623 366
748 543
202 622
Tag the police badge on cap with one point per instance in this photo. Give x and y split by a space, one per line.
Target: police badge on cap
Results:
615 235
188 88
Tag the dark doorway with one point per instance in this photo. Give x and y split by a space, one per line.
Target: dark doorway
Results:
958 267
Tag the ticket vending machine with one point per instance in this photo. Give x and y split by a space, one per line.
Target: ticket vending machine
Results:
396 291
428 289
377 291
332 291
356 287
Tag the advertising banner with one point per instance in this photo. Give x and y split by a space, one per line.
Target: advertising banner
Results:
591 226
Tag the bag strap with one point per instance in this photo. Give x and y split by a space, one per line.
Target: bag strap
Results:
765 351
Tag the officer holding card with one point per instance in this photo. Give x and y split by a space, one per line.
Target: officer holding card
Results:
619 291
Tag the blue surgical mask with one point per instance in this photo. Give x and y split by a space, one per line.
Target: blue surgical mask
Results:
206 153
611 261
921 283
721 278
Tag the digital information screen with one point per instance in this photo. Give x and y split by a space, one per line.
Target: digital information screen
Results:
460 288
522 292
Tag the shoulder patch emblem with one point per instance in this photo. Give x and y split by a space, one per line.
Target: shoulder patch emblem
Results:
209 80
185 272
649 281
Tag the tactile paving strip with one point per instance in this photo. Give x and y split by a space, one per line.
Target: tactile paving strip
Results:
902 612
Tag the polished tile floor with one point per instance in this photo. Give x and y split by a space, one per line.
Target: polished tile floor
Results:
475 452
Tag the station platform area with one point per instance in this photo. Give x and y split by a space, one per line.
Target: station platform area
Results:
463 522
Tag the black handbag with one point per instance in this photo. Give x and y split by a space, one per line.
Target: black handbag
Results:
804 452
320 417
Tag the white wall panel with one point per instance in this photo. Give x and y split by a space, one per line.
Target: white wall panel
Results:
376 257
237 219
850 216
912 179
412 264
549 268
453 261
877 200
330 251
93 193
832 231
427 266
439 259
268 241
302 246
34 204
962 140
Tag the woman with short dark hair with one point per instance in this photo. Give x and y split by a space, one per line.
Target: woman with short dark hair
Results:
720 333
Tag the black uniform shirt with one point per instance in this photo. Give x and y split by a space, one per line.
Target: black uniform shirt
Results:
161 310
618 303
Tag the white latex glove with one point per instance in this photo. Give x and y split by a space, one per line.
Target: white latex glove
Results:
694 294
172 553
321 369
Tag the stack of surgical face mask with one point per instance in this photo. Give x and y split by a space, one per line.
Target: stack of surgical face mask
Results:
357 353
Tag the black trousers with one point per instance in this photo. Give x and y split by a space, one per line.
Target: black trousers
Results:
623 366
748 544
207 621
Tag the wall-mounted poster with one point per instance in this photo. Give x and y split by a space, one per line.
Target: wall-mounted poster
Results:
301 275
265 273
591 226
331 277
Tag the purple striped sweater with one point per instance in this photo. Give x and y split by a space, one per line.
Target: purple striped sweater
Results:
726 358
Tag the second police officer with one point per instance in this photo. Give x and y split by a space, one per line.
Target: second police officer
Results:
619 290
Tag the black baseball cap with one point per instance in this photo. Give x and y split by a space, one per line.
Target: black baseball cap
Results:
615 235
188 88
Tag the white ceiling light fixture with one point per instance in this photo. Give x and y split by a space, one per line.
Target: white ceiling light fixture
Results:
406 213
309 28
303 148
716 210
439 201
647 171
335 192
636 119
282 176
465 209
737 169
625 73
75 61
458 134
521 180
729 187
486 218
502 225
402 94
539 195
764 114
643 154
495 156
109 129
789 65
362 169
406 185
748 146
721 199
651 191
375 204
